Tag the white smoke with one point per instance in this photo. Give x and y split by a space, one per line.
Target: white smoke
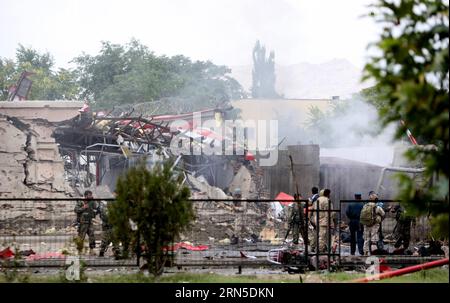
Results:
351 131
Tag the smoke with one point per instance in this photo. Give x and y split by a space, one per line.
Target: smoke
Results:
356 123
348 129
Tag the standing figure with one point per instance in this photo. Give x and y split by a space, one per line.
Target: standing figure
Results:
320 220
86 211
107 236
294 220
314 197
371 217
356 228
239 222
402 229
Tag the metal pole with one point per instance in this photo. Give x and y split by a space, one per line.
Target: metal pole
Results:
329 235
306 241
339 232
317 234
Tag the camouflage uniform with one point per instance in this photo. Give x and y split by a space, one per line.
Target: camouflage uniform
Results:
107 236
402 229
371 233
85 216
294 222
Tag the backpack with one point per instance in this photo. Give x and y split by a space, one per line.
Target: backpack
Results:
368 216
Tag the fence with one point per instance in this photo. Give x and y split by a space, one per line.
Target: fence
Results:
398 234
41 232
226 233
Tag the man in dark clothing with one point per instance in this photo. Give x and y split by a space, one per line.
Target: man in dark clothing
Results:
314 197
353 213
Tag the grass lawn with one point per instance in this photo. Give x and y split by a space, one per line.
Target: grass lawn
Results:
438 275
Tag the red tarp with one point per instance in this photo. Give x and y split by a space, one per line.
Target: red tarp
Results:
284 196
186 246
6 253
249 156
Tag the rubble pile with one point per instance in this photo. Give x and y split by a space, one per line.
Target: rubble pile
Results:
233 222
53 155
33 217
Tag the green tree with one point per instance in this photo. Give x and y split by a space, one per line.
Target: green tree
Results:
7 76
131 73
157 202
411 70
47 84
263 74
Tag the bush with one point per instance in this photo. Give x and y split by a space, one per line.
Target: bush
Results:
157 203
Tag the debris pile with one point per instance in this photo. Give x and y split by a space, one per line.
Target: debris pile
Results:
233 222
83 146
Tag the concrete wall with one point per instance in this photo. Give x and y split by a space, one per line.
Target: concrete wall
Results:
52 111
30 163
346 177
278 178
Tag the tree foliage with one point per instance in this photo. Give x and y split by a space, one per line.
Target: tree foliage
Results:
131 73
47 84
156 201
263 74
121 75
411 70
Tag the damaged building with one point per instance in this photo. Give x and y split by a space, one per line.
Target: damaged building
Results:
57 149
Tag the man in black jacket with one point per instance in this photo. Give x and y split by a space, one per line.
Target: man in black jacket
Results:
353 213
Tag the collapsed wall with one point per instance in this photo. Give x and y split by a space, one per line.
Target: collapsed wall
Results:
31 165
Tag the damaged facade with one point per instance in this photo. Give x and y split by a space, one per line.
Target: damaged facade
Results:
31 165
57 149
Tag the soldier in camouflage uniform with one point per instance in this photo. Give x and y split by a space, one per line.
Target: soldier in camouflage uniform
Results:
86 211
107 236
294 220
402 229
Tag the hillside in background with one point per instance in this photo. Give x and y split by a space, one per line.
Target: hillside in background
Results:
337 77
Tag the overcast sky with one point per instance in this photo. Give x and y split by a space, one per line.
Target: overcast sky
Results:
223 31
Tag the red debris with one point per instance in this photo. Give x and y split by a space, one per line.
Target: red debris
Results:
249 156
283 196
186 246
6 253
49 255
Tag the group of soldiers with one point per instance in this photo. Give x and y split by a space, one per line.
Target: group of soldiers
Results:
315 223
86 210
365 223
